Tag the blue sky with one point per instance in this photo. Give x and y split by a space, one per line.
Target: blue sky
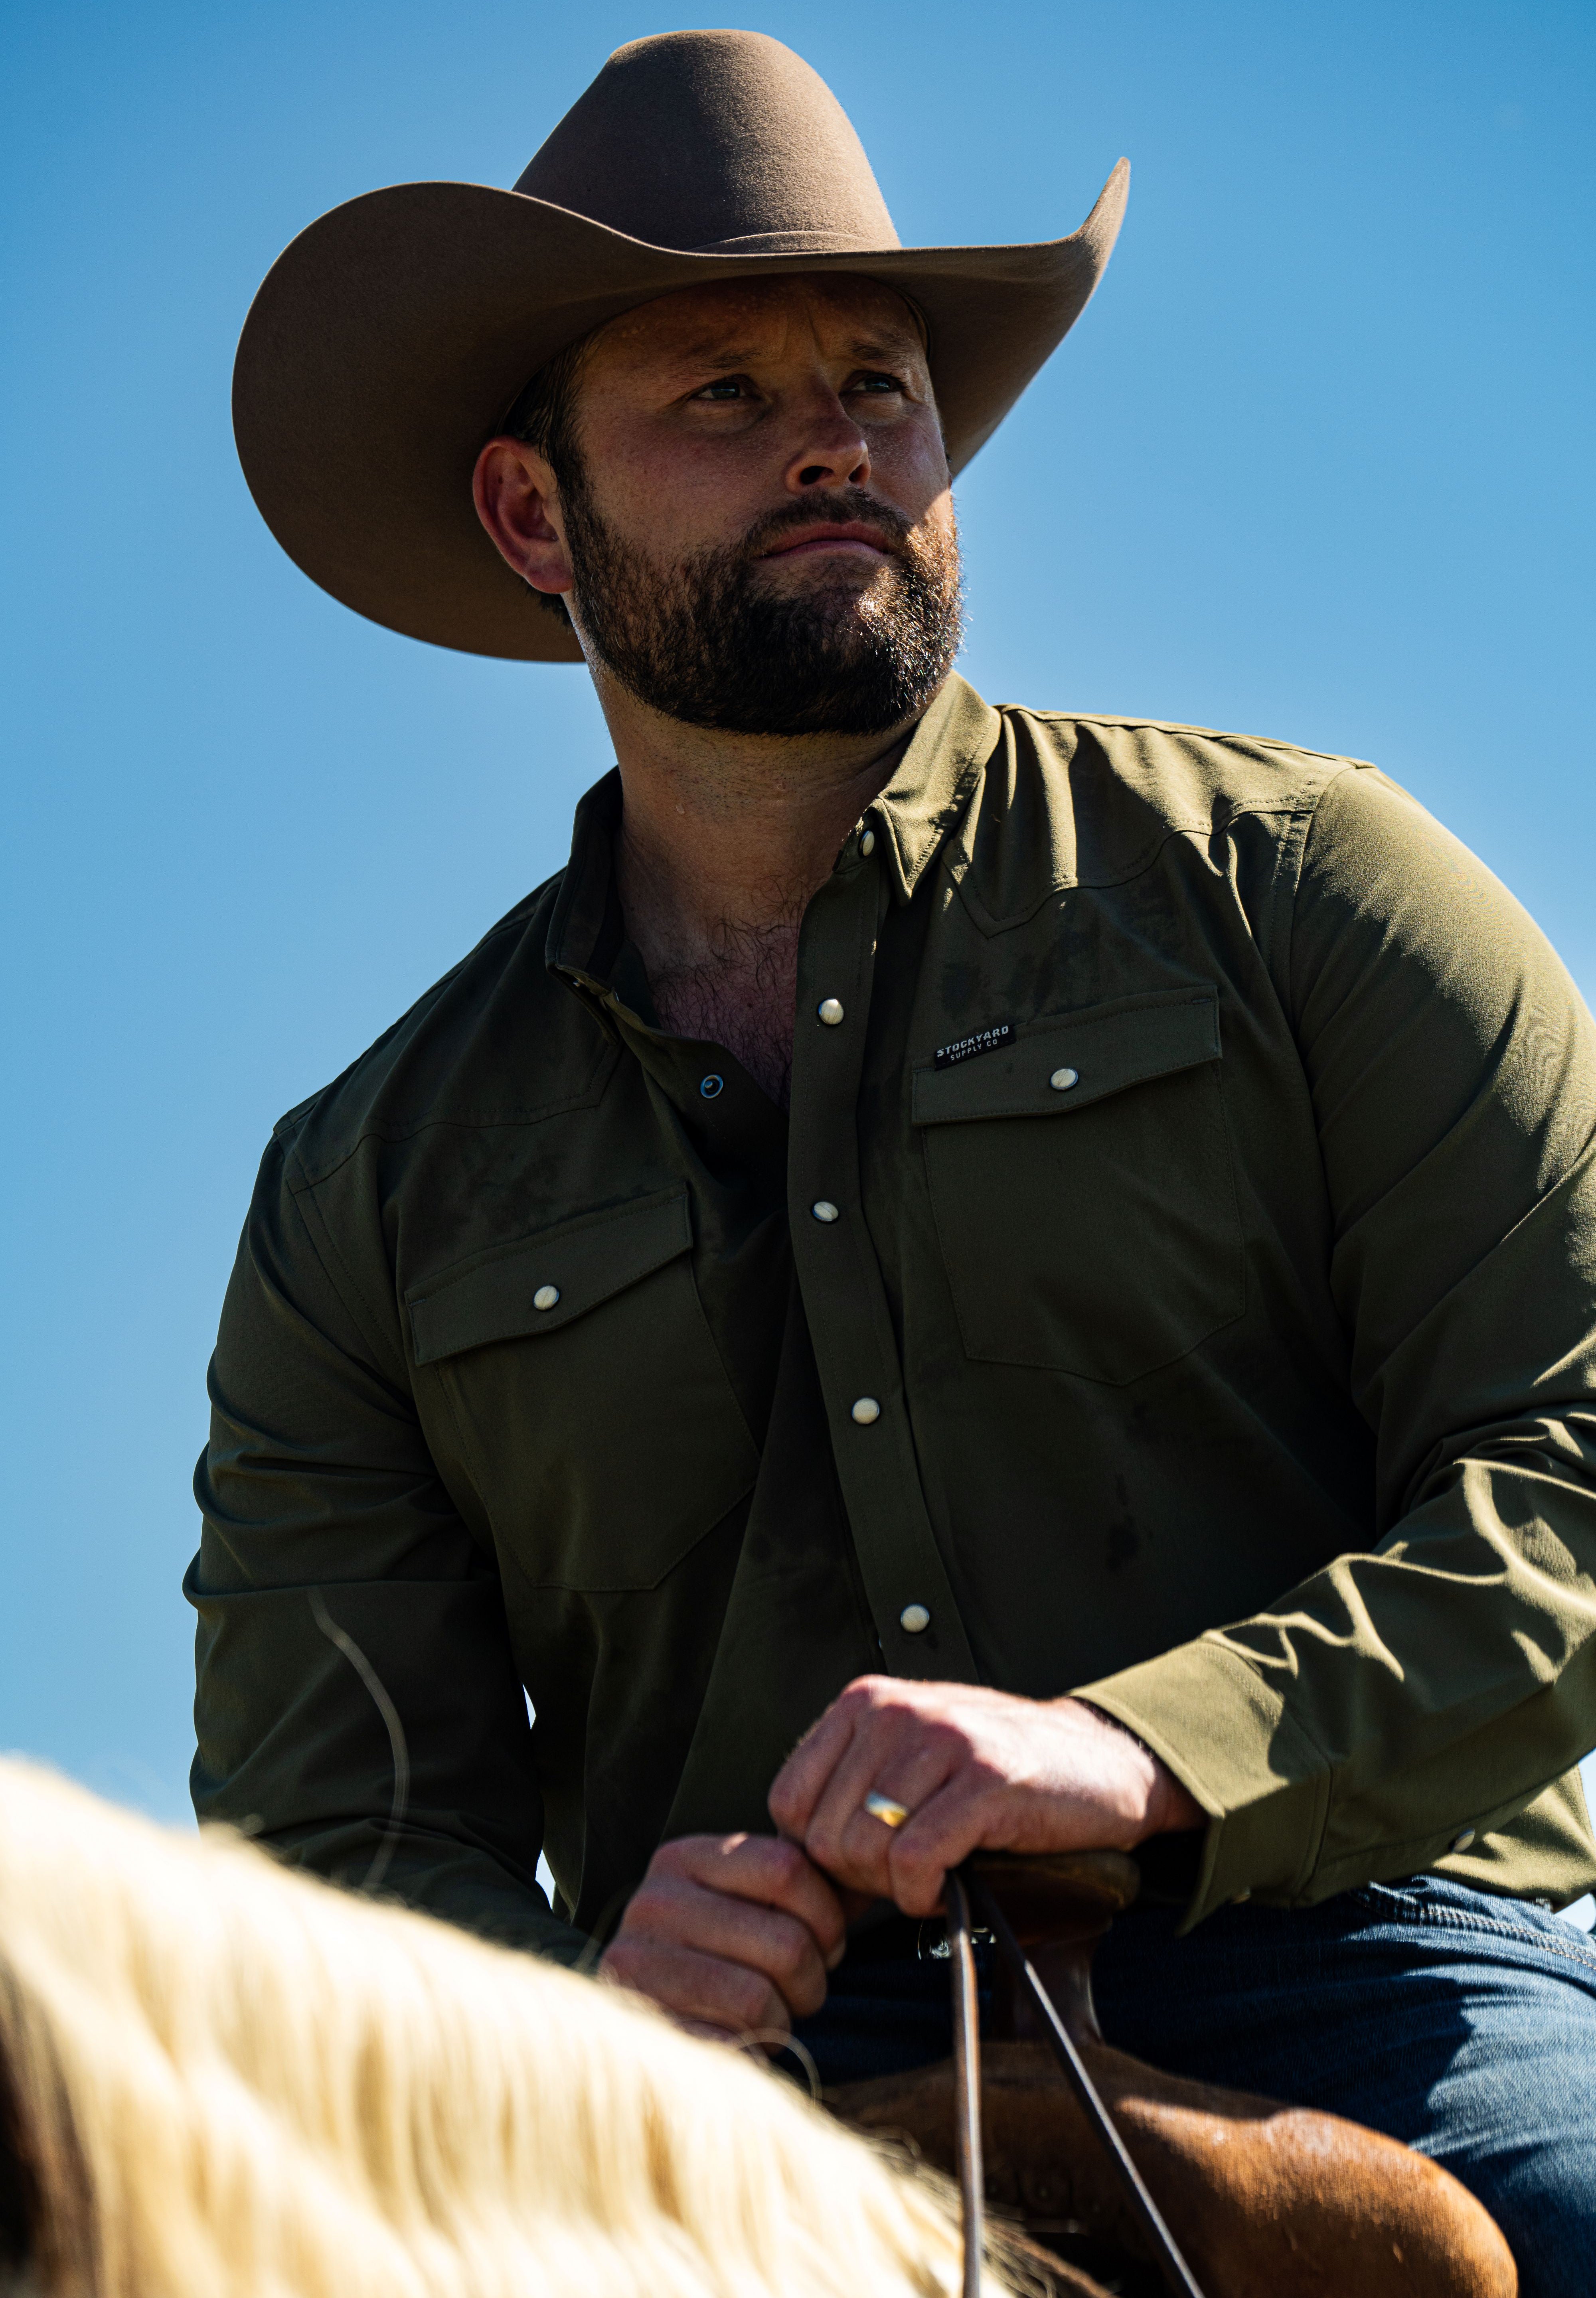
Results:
1316 463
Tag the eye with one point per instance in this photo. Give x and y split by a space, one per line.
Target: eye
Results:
724 387
877 384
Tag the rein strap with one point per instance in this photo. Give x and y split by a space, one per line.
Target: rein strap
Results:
965 1890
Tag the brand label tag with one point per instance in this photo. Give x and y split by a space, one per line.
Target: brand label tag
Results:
980 1041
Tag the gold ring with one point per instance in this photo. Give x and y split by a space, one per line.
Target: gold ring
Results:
884 1808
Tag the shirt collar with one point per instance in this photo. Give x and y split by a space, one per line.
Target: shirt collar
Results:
582 928
932 782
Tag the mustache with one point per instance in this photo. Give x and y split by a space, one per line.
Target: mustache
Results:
853 509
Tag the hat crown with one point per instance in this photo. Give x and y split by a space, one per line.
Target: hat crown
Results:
714 142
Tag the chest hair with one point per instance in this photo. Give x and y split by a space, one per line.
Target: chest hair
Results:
739 992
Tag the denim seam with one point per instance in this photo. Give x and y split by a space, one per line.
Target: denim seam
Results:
1458 1919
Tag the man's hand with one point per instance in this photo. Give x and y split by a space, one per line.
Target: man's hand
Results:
977 1770
733 1935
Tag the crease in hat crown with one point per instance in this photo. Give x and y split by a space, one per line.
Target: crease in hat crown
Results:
760 158
387 340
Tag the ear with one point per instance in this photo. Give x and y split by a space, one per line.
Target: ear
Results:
518 501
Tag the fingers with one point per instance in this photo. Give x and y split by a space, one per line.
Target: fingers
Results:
735 1932
852 1844
674 1907
704 1993
945 1830
885 1735
844 1755
801 1780
907 1863
974 1768
764 1870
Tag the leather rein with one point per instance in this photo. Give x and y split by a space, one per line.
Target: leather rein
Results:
968 1898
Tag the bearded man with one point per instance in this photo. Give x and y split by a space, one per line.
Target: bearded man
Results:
960 1277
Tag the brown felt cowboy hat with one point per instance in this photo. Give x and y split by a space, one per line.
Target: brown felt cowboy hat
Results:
389 341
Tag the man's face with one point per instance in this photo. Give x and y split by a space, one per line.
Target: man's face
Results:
759 527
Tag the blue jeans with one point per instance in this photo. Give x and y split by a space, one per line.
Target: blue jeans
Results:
1461 2023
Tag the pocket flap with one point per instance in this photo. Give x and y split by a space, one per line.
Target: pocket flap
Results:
1102 1049
504 1296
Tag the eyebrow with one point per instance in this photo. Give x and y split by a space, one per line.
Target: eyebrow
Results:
865 350
885 347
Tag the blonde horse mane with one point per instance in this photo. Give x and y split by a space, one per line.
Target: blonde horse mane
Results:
226 2080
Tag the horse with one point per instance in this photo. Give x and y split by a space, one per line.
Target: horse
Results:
221 2079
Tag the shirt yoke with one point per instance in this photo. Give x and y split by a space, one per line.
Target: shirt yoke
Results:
1191 776
1079 801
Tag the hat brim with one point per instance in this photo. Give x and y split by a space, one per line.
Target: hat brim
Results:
388 340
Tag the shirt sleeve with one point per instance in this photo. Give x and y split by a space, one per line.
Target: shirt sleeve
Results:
358 1709
1403 1699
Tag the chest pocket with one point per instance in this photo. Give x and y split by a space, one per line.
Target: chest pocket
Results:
597 1418
1081 1182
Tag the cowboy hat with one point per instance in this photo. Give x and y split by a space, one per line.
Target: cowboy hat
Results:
388 339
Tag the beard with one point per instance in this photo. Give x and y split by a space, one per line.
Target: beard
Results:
710 641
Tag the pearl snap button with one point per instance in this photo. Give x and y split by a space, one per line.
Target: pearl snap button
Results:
914 1619
1062 1079
867 843
1461 1842
710 1086
865 1410
823 1210
829 1010
547 1297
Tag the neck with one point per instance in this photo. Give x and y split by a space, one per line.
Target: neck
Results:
723 839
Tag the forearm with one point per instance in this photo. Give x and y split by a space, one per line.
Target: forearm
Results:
430 1796
1397 1702
439 1874
358 1707
1363 1723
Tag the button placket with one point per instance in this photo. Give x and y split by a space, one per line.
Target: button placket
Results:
906 1582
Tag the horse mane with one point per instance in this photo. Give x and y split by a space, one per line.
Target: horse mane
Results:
222 2080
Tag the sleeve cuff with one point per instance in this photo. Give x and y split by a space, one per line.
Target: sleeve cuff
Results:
1228 1740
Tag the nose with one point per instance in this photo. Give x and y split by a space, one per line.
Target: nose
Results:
833 453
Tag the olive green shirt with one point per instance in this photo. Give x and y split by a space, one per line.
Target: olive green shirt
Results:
1175 1283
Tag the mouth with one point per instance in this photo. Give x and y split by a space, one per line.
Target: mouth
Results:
854 538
